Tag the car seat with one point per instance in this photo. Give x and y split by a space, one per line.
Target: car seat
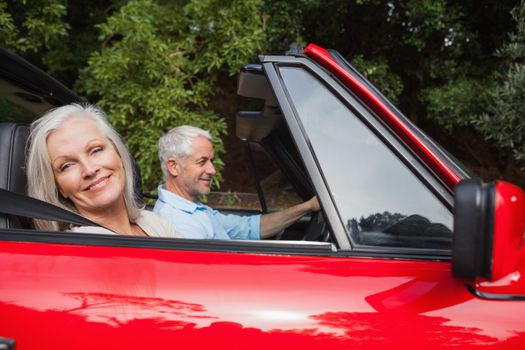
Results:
13 138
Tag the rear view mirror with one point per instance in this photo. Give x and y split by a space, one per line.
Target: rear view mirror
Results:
253 84
256 125
489 224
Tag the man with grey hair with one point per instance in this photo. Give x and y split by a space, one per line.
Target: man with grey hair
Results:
186 156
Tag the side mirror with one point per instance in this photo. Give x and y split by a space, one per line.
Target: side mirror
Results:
254 126
489 224
252 83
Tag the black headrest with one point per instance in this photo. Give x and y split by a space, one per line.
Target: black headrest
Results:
13 138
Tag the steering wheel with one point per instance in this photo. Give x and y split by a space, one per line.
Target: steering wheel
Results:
317 229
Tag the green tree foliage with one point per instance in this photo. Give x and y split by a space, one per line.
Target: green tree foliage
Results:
56 35
32 25
426 50
377 70
504 121
157 71
283 23
8 30
328 23
456 103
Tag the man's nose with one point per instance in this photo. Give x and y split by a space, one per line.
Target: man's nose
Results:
210 169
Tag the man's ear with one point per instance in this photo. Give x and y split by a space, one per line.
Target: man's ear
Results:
173 167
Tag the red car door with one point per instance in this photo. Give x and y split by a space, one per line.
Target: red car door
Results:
77 296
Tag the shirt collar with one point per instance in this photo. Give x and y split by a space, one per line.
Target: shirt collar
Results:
176 201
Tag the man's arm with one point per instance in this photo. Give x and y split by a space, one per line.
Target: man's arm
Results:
273 223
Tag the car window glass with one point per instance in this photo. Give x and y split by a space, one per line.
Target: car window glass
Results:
378 198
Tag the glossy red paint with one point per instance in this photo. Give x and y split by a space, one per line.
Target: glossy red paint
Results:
509 229
133 298
323 57
508 248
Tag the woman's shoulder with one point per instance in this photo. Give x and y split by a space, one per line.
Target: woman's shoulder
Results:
91 229
155 226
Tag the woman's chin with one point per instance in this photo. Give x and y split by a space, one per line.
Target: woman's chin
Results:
103 205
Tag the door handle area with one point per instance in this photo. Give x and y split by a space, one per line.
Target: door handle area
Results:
7 344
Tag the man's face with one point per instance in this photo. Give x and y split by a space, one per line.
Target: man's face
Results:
191 177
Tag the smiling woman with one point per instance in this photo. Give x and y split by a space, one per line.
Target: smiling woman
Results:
77 161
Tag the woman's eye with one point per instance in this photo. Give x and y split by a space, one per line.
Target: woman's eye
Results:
64 166
97 149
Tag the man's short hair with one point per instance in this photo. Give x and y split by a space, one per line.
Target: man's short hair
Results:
177 142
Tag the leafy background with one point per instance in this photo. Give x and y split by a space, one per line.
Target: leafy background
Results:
456 68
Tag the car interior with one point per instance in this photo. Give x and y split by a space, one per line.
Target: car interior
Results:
266 129
13 139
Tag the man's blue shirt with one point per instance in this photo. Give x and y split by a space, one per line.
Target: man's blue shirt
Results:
196 220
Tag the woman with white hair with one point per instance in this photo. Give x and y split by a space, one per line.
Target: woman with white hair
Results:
77 161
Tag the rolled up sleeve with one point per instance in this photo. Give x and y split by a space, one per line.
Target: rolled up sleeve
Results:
240 227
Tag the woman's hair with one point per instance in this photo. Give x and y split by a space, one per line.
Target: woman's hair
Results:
40 178
177 142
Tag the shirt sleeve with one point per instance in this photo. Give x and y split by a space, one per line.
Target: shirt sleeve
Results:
239 227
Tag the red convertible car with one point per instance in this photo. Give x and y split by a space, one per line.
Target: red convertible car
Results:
409 250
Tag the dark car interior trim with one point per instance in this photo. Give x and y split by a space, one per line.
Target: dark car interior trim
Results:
230 246
294 248
7 344
23 74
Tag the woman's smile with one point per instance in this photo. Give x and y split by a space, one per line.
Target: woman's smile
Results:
99 184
